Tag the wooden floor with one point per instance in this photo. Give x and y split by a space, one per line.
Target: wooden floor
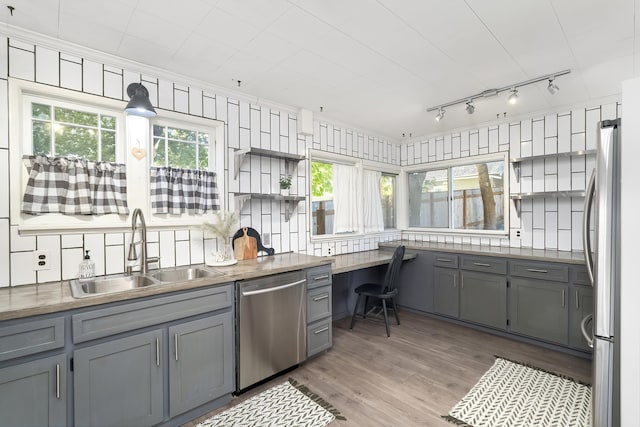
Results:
414 377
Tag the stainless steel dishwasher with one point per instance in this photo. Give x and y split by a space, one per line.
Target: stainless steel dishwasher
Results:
271 324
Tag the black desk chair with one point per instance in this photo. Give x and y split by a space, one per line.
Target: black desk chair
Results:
386 291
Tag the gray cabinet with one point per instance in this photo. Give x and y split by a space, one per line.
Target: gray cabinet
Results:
540 309
34 393
483 298
581 307
119 383
415 290
200 362
319 310
445 291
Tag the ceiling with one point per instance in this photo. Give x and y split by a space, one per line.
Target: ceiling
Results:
376 65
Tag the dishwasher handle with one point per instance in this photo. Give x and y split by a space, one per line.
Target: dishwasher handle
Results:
273 289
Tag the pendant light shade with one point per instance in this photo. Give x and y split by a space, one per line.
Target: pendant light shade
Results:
139 103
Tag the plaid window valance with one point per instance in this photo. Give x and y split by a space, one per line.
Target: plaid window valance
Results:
74 186
176 191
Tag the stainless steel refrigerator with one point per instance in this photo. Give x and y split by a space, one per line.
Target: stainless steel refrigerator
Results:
602 256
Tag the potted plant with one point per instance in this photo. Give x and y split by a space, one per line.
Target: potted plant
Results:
285 184
223 228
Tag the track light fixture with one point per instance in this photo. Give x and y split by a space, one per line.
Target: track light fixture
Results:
470 108
512 98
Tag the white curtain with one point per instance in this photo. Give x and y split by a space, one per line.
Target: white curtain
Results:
347 203
373 220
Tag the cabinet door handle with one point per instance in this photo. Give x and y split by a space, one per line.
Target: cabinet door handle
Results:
461 282
157 351
175 339
577 301
326 276
537 270
563 297
455 279
444 259
321 298
482 264
321 330
57 381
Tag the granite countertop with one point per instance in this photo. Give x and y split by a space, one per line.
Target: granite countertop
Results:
31 300
497 251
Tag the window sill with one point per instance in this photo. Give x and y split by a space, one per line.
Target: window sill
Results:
352 236
463 233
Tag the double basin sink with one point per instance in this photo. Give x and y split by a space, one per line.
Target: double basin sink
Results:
113 284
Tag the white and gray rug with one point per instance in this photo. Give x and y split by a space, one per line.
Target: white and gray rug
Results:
285 405
513 394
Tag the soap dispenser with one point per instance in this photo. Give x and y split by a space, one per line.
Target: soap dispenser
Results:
87 269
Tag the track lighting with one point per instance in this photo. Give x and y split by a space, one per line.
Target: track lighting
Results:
470 108
512 98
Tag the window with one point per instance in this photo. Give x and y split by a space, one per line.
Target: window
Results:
388 196
67 129
459 196
363 202
180 148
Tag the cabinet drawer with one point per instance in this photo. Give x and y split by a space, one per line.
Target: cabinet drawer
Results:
484 264
31 337
538 270
579 275
129 316
318 304
445 260
319 276
319 337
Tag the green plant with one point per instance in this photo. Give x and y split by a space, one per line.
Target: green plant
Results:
285 182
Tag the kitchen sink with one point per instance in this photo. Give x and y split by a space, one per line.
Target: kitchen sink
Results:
184 274
108 285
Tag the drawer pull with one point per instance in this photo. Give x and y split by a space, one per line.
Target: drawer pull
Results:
57 381
323 277
321 330
537 270
482 264
321 297
444 259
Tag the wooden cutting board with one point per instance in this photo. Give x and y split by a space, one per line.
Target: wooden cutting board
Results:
245 247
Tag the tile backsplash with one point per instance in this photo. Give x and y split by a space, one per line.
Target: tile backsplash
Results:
552 223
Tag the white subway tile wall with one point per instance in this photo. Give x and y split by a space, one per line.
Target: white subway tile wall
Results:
253 125
544 223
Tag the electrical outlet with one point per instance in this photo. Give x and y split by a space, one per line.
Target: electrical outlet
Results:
328 249
266 239
41 260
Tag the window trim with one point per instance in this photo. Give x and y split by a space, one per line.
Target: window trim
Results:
448 164
328 157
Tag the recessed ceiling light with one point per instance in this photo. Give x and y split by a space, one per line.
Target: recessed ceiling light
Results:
513 98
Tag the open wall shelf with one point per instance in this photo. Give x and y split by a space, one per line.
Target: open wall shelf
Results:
516 161
290 160
290 202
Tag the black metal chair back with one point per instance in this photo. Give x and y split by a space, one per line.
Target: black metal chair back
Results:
391 276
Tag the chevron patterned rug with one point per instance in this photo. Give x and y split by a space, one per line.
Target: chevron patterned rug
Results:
516 395
287 404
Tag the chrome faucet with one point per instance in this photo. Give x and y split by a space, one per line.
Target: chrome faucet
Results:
133 256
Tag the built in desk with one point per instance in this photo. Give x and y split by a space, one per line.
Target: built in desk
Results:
351 270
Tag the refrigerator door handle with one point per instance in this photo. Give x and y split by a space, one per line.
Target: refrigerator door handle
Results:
583 328
586 223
